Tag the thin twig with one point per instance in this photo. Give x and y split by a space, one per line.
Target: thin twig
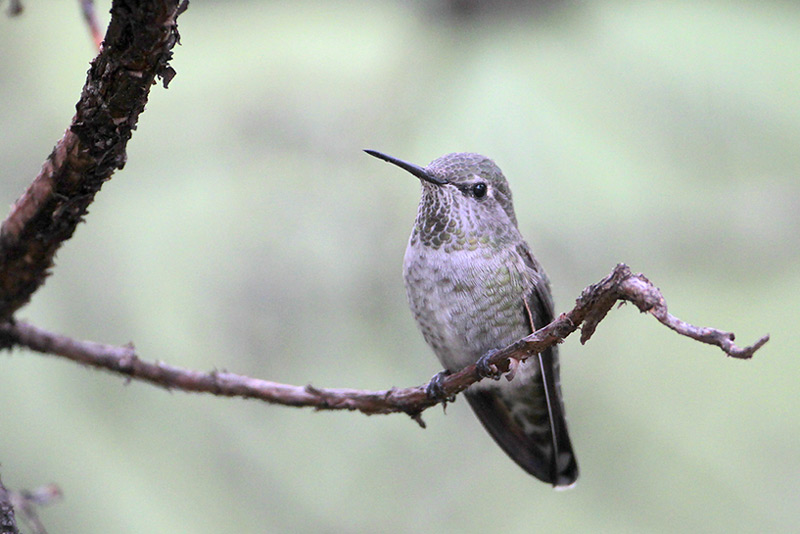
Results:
590 308
90 16
15 8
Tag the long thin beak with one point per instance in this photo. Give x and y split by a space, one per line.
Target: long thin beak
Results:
416 170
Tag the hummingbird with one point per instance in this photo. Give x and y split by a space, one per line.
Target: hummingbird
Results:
475 287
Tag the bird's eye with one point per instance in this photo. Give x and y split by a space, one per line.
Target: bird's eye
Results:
479 190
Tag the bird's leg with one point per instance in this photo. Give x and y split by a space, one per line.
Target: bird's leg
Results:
435 389
487 369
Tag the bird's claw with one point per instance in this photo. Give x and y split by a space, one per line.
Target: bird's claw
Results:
485 368
435 388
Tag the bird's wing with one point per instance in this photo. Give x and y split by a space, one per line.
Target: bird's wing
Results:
526 416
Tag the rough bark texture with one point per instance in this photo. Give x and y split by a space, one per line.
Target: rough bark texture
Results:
137 48
8 524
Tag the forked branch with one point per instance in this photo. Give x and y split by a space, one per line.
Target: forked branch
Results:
590 308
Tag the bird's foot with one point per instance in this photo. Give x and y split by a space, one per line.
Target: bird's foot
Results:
485 368
435 388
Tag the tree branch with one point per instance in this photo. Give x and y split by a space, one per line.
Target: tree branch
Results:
8 523
138 46
590 308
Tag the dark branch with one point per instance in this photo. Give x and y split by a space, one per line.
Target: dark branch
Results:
138 46
590 308
8 524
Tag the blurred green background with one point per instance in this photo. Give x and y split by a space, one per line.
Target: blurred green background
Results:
248 232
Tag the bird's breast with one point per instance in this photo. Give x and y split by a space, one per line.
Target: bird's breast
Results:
467 302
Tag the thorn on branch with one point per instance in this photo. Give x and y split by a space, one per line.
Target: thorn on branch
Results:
417 417
513 364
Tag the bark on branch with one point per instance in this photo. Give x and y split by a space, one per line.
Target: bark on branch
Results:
137 48
8 522
590 308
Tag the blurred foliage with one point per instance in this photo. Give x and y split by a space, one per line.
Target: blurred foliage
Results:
248 232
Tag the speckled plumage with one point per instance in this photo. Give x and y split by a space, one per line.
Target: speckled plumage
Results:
473 286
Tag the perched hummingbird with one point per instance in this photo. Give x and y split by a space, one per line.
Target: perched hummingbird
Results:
474 287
